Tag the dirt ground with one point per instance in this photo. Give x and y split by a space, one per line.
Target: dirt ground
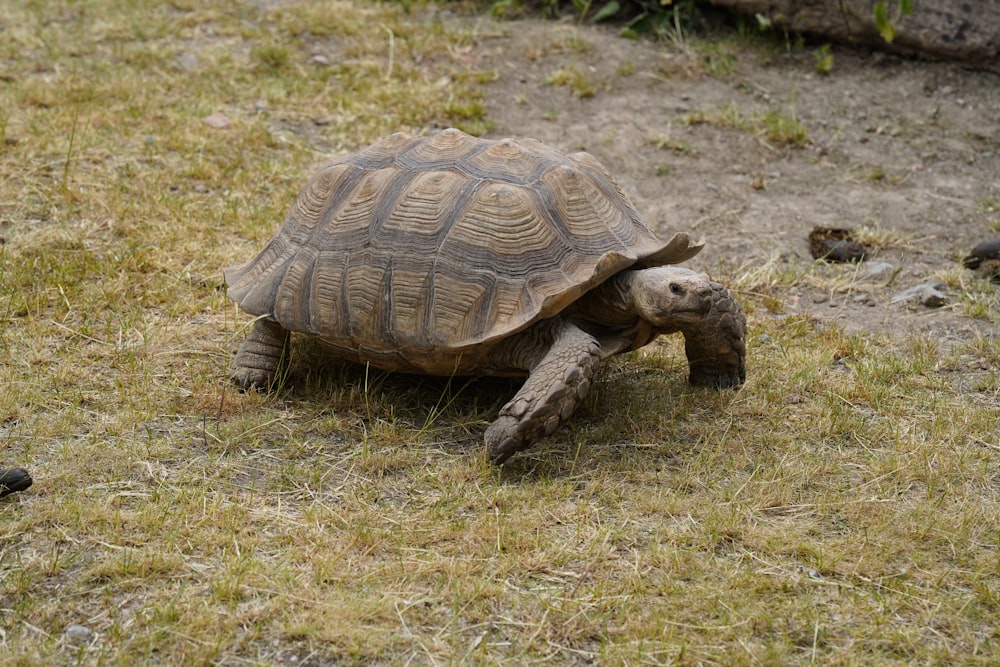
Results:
908 150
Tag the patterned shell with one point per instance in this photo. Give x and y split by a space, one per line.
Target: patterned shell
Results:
434 245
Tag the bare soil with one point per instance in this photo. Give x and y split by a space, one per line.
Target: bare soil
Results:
908 150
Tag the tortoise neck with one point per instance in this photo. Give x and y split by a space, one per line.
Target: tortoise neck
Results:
610 303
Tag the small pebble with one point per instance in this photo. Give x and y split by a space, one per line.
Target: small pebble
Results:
932 298
217 120
916 291
764 338
878 270
188 61
79 634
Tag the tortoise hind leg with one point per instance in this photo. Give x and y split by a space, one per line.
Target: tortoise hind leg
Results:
562 360
259 356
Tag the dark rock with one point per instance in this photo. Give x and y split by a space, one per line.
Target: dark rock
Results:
13 479
932 298
835 245
983 251
984 260
989 270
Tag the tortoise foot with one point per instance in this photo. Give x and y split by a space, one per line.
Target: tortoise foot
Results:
549 396
259 357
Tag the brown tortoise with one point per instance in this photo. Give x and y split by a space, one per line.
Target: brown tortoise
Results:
452 255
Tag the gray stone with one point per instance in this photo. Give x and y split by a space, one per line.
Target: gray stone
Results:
878 270
79 634
188 61
918 290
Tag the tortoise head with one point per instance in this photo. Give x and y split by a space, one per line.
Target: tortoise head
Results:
673 299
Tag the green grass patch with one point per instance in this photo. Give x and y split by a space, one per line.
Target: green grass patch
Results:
575 79
773 126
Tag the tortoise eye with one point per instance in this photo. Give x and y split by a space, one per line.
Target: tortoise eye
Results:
676 289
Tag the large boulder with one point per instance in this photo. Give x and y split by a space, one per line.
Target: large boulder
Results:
963 30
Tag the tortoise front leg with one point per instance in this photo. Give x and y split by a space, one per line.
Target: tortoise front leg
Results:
716 348
259 356
562 360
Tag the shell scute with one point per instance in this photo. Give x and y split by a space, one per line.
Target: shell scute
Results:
439 151
383 153
510 162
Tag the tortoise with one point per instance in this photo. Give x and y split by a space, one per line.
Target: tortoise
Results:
454 255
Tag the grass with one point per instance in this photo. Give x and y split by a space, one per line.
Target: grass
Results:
575 79
840 509
773 126
668 143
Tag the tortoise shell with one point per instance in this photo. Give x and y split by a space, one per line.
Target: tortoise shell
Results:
417 251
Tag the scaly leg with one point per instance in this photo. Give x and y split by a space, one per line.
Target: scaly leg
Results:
716 348
562 360
259 356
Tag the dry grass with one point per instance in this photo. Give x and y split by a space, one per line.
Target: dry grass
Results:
841 509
